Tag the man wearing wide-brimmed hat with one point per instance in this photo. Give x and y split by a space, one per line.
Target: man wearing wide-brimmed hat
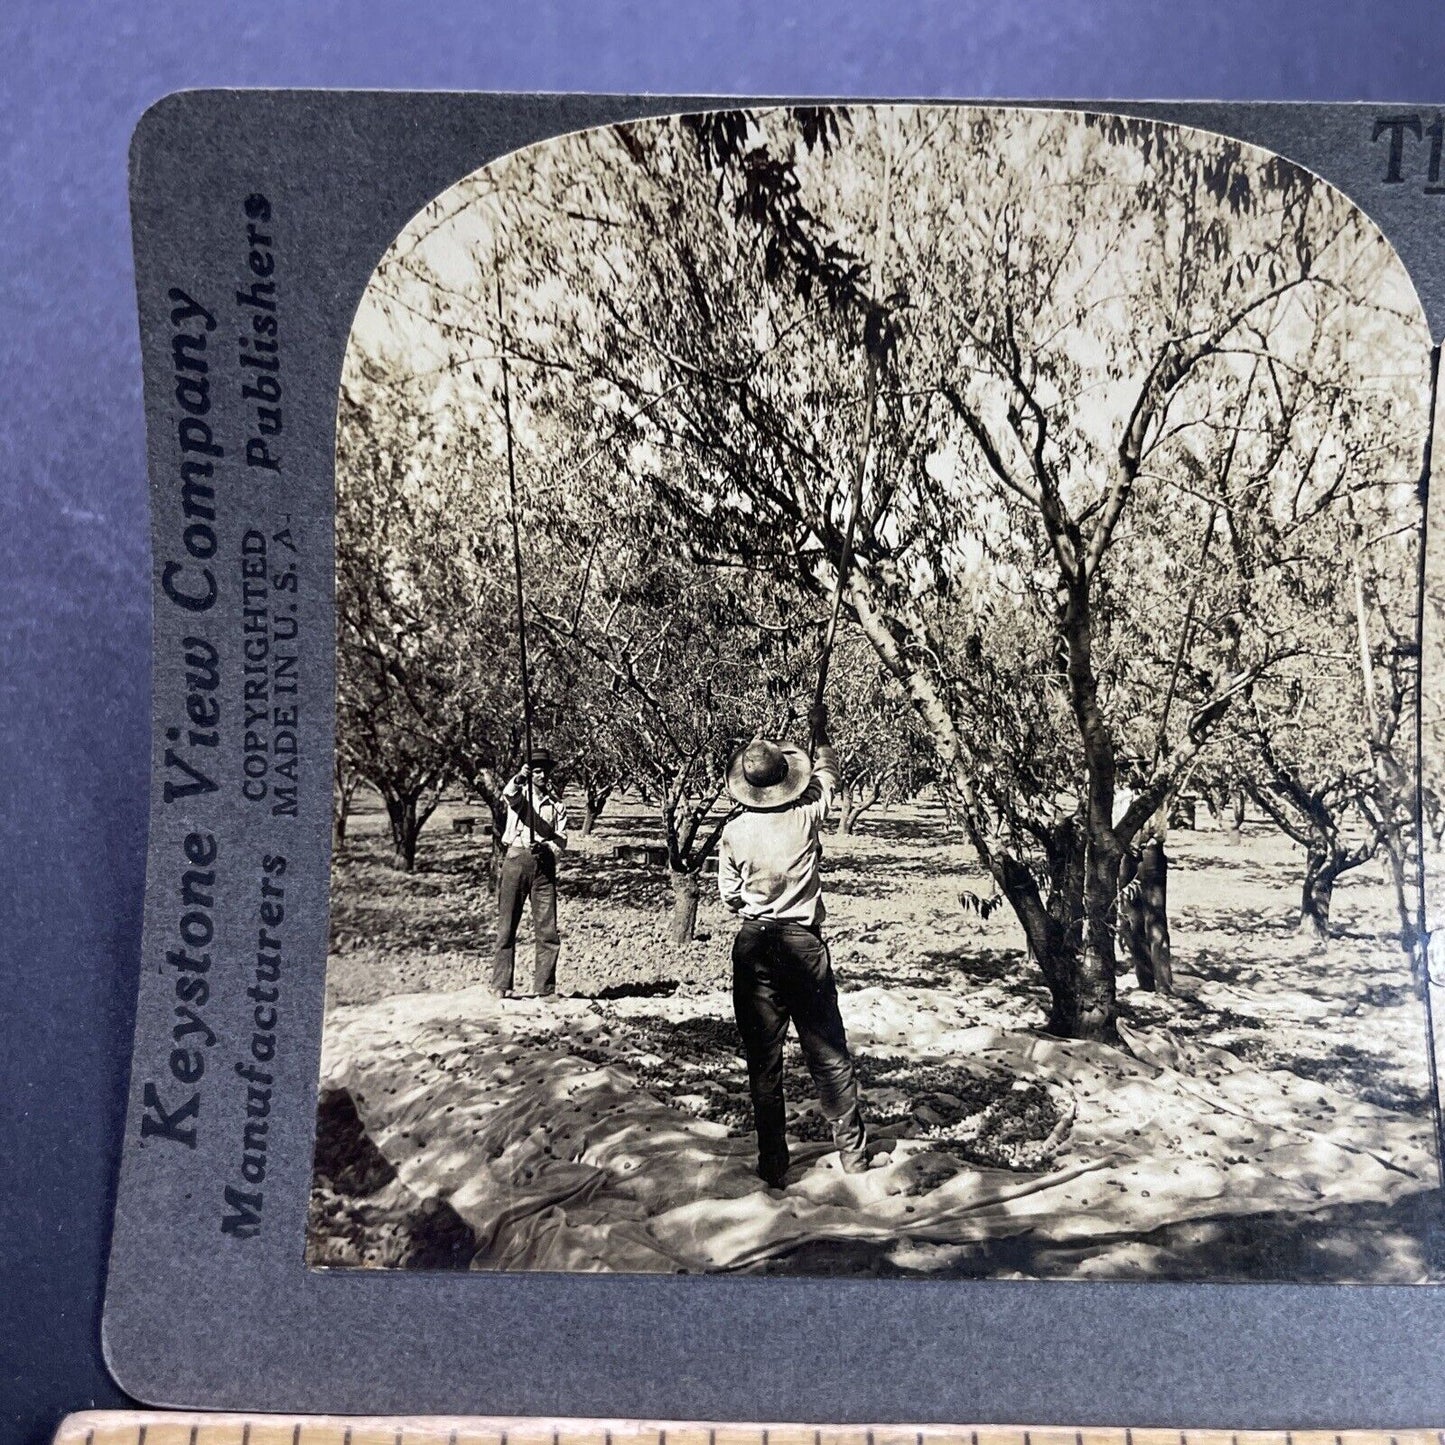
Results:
534 833
768 873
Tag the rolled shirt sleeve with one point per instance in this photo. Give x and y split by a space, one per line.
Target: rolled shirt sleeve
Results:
826 776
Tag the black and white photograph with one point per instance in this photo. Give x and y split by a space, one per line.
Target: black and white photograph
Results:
878 714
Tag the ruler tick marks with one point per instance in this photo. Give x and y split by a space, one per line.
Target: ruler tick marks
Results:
134 1430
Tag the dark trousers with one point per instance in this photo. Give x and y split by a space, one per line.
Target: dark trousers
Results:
781 971
526 874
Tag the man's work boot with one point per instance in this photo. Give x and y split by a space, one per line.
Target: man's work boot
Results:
850 1134
773 1171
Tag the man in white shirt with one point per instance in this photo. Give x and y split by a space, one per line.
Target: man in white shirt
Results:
768 873
534 833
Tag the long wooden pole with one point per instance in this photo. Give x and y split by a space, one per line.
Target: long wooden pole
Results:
516 548
855 505
860 463
1422 937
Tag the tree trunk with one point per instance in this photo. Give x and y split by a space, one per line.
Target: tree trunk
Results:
682 920
854 800
1080 975
1132 935
1322 868
1217 800
593 802
1081 993
1226 804
402 813
340 815
342 792
1097 1007
1395 847
1076 960
1144 917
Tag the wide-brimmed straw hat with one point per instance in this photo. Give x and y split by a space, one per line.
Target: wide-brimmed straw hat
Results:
765 774
542 758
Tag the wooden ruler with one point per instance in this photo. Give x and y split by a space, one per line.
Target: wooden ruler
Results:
180 1428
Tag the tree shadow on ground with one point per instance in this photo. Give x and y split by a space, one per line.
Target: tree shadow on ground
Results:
1241 870
446 904
1191 1019
1241 921
975 964
860 972
975 1115
1402 1242
1374 1077
878 872
967 964
1306 967
1346 1066
656 989
622 881
360 1214
929 827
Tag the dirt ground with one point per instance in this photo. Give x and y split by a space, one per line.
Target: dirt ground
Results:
1272 1121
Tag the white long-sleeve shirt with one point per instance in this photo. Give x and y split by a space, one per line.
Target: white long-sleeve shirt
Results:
769 860
517 833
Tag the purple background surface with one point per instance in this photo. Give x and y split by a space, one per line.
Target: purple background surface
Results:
74 564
